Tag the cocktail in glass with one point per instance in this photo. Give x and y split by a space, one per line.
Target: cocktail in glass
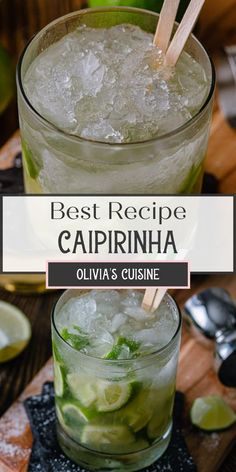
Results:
61 158
115 368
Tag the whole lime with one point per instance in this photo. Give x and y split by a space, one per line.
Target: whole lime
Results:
7 82
154 5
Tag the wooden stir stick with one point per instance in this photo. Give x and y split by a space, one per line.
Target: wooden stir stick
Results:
165 24
183 31
153 296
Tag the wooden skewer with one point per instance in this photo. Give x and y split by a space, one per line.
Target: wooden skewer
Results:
160 293
152 298
165 24
184 29
148 298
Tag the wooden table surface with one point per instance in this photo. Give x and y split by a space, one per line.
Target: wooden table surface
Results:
221 161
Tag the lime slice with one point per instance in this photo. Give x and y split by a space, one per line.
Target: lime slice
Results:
212 413
97 435
82 388
58 380
111 396
15 331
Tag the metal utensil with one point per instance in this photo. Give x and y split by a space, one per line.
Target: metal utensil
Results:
226 75
211 315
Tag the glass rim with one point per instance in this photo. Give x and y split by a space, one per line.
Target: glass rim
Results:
110 362
65 134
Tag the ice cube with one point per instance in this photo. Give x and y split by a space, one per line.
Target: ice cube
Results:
107 302
91 72
100 343
124 353
136 312
131 298
147 337
117 321
79 312
118 67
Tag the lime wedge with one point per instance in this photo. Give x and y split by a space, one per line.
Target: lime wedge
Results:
56 353
74 414
72 431
212 413
139 445
30 162
60 416
58 380
137 413
15 331
111 396
82 388
158 424
97 435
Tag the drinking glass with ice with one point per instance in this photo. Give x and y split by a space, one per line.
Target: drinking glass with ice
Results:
115 368
99 112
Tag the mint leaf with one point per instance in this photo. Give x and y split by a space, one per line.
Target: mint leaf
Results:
75 340
117 348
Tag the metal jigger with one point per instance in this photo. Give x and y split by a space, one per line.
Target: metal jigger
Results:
211 315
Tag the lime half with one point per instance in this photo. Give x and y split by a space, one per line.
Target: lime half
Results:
212 413
15 331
